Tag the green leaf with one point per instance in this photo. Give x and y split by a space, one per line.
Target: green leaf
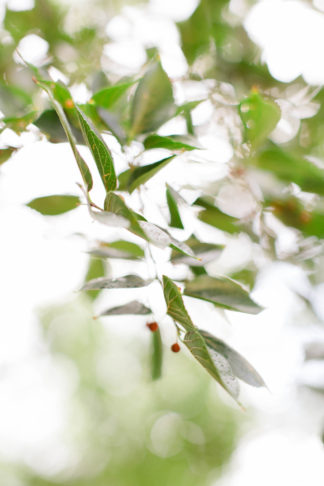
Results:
19 124
175 218
195 33
290 168
116 205
140 175
241 368
119 249
126 282
260 116
13 100
86 174
53 205
172 142
222 292
96 269
213 362
49 124
204 252
153 102
215 217
175 305
100 152
107 97
6 153
157 355
133 308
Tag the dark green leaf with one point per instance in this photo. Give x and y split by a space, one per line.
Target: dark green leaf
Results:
175 218
172 142
96 269
100 152
290 168
241 368
175 305
140 175
116 205
260 116
215 217
134 308
157 355
213 362
195 33
49 124
153 102
107 97
53 205
222 292
126 282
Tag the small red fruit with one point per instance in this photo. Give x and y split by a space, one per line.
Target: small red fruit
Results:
175 348
153 326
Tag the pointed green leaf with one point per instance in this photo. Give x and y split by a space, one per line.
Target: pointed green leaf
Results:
53 205
116 205
175 218
242 369
157 355
172 142
222 292
215 217
19 124
133 308
107 97
213 362
260 116
86 174
126 282
96 269
6 153
140 175
49 123
100 152
119 249
175 305
153 102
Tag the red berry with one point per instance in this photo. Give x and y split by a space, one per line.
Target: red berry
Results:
175 348
153 326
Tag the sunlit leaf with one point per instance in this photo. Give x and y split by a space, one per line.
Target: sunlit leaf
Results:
100 152
107 97
53 205
153 102
172 142
241 368
213 362
157 355
126 282
215 217
133 308
175 218
260 116
223 292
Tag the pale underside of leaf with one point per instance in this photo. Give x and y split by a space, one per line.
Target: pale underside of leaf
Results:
128 281
131 308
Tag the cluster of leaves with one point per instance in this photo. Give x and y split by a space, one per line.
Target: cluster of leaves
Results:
133 110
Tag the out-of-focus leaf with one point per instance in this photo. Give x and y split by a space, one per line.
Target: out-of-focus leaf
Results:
172 142
157 355
100 152
175 218
260 116
215 217
153 102
126 282
6 153
19 124
116 205
13 100
119 249
107 97
49 124
96 269
204 252
140 175
53 205
241 368
195 33
134 308
293 213
213 362
175 306
246 276
290 168
223 292
86 174
113 122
